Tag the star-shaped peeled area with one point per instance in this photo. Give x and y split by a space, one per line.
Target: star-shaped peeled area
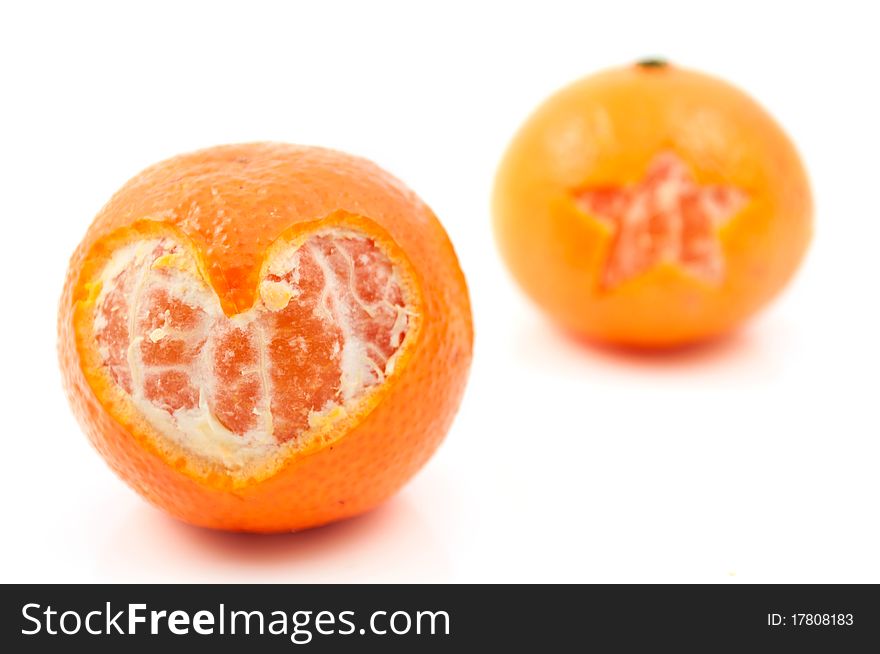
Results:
665 218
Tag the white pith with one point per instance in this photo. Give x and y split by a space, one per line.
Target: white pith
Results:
198 429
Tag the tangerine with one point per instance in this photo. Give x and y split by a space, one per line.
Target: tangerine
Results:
651 205
265 337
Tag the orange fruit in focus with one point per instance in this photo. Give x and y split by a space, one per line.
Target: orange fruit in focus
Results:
265 337
651 206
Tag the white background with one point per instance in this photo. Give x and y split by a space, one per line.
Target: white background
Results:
755 460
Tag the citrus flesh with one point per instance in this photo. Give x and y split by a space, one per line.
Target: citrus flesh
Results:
328 320
667 218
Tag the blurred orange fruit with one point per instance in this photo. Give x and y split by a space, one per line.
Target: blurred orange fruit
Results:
265 337
651 206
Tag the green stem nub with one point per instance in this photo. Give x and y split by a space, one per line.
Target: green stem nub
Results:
652 62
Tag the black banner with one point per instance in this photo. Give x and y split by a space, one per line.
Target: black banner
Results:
278 618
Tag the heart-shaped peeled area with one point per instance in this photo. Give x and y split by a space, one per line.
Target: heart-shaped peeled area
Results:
328 322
